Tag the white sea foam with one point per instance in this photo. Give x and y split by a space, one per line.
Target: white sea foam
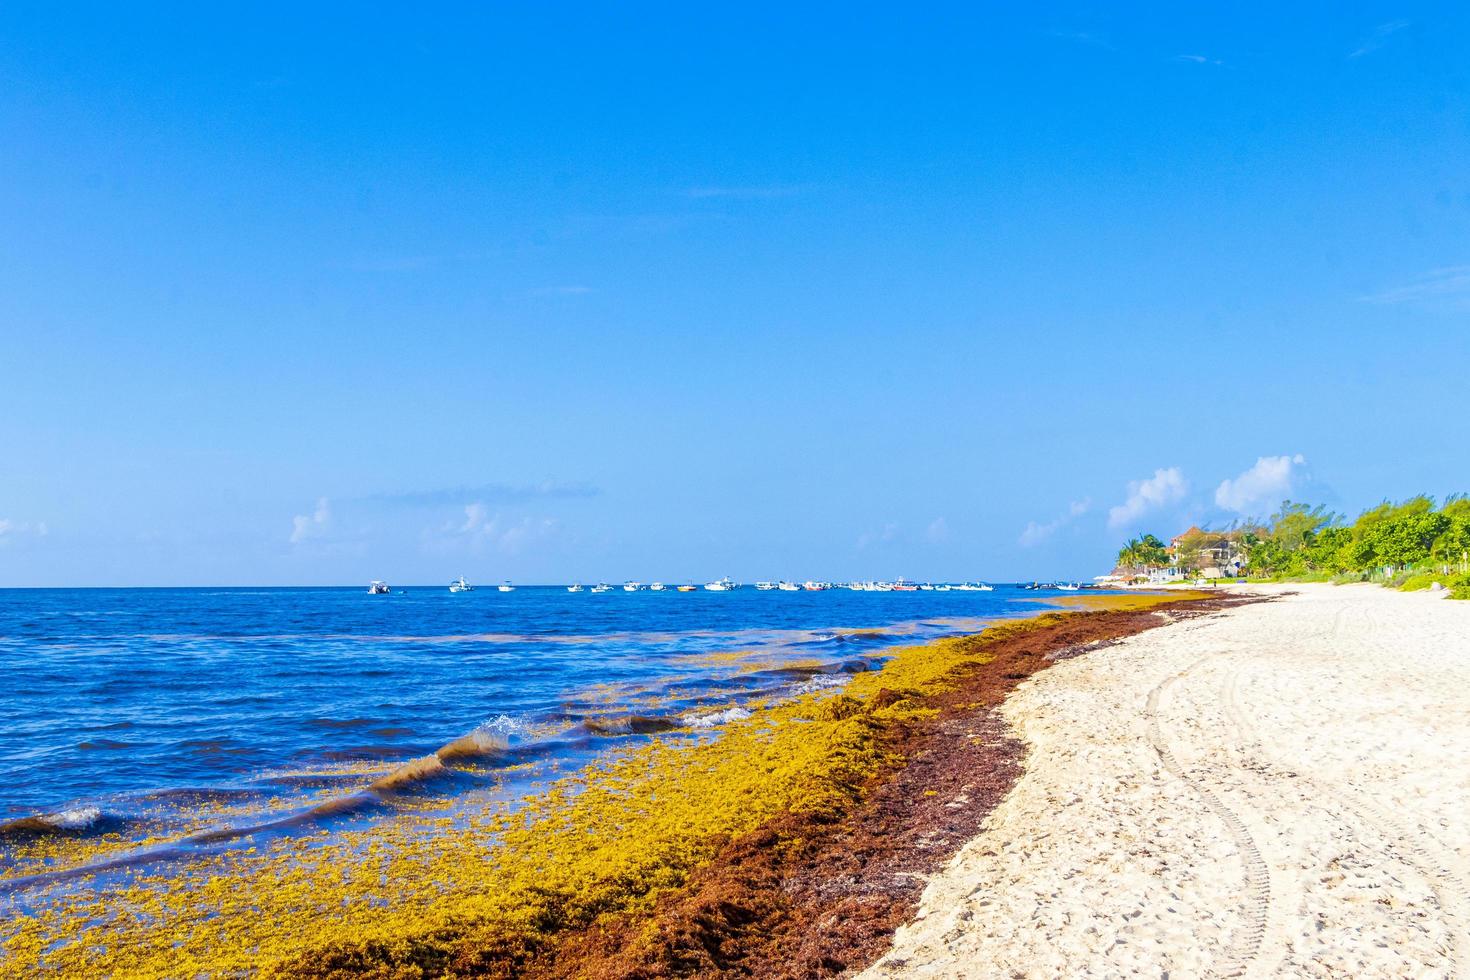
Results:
713 718
78 819
504 725
819 682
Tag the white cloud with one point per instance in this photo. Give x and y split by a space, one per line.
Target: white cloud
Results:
1449 285
1035 533
1265 484
573 290
1163 488
869 538
1199 59
760 192
937 531
1378 38
480 529
313 525
11 530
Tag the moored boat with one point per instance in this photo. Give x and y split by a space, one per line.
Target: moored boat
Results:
721 585
765 586
378 587
657 587
506 587
575 588
788 586
601 587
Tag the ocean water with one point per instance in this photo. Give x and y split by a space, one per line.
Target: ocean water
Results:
131 709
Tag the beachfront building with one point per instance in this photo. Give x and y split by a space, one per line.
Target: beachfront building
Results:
1212 554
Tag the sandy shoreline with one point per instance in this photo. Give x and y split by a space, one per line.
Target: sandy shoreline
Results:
1279 789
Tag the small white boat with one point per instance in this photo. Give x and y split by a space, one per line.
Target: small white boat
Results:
657 587
765 586
632 586
1068 586
982 587
506 587
788 586
574 588
942 588
721 585
460 585
814 586
926 587
377 587
601 587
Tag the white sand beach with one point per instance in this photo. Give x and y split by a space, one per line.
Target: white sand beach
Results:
1279 789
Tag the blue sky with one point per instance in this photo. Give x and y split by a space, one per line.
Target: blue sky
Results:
293 297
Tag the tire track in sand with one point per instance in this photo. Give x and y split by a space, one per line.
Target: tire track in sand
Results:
1243 948
1414 846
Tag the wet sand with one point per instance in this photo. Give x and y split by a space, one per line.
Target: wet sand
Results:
1276 789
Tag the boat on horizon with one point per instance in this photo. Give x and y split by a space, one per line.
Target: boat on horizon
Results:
785 586
575 588
904 585
632 586
765 586
460 585
688 588
1067 586
813 586
721 585
378 587
506 587
657 587
601 587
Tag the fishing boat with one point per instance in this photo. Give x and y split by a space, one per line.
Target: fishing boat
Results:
632 586
460 585
601 587
904 585
812 586
506 587
721 585
656 587
377 587
788 586
765 586
688 588
927 587
1068 586
575 588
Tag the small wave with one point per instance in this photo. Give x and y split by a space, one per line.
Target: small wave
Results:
477 744
104 745
409 774
339 722
504 725
65 821
630 725
820 682
713 718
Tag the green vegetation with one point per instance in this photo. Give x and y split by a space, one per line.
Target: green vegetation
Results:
1145 552
1409 545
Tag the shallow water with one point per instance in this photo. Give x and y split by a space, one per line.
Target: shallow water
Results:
135 706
